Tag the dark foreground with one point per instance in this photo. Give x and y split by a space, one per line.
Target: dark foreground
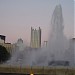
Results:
9 70
19 74
11 74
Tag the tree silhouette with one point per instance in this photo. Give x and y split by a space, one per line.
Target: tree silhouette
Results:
4 54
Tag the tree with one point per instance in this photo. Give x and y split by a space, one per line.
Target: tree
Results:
4 54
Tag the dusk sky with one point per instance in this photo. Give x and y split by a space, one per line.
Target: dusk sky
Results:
17 17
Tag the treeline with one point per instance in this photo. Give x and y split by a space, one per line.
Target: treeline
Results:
4 54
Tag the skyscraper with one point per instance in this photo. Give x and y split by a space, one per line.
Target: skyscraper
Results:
35 38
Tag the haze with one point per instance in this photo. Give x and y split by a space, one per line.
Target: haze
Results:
17 17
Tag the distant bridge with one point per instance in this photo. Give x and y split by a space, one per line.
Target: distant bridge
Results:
36 70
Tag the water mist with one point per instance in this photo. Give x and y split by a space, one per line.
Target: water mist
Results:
41 57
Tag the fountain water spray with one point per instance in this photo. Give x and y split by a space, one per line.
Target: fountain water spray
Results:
54 51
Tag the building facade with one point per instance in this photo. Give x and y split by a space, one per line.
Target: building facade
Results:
35 38
8 46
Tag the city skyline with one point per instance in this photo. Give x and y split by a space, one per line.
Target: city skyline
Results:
17 17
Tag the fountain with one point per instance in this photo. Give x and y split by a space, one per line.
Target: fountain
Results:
58 41
55 50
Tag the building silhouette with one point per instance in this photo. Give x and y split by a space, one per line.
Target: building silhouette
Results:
2 38
35 38
8 46
69 53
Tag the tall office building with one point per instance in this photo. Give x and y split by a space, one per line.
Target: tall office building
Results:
35 38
